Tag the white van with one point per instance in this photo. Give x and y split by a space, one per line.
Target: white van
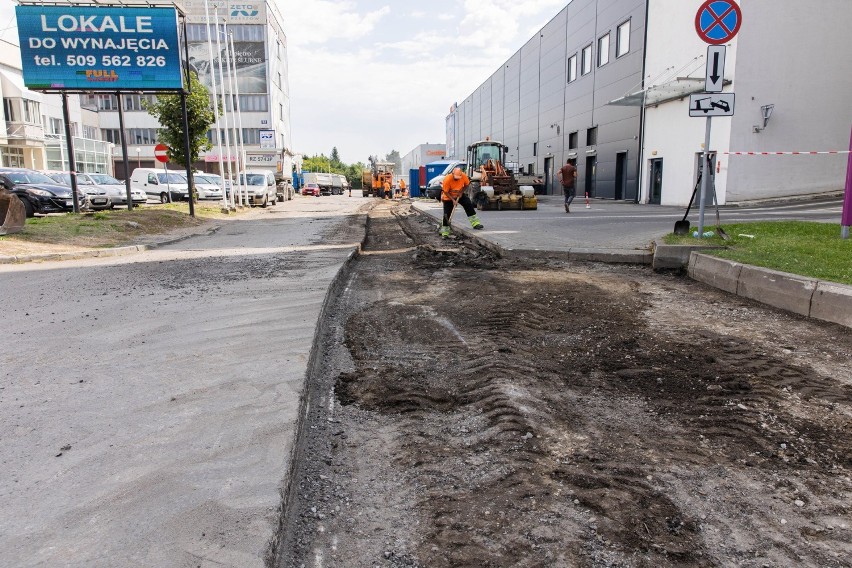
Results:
260 185
159 184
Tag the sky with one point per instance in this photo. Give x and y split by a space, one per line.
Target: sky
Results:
371 76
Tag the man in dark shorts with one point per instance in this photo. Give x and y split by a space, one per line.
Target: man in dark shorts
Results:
568 176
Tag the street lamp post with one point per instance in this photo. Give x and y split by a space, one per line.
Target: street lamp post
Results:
138 157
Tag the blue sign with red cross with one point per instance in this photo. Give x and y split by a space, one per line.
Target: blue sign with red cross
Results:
718 21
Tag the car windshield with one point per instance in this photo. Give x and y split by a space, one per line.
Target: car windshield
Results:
103 179
173 178
208 180
254 179
30 177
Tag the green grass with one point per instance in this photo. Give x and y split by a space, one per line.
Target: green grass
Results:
807 249
111 227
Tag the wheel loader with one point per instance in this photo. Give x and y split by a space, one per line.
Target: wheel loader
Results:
13 215
492 186
380 172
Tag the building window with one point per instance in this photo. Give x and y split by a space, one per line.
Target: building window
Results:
107 102
592 136
603 50
535 148
144 136
13 157
587 60
572 140
90 132
278 49
251 135
9 110
54 126
531 169
111 135
572 68
32 113
622 40
281 111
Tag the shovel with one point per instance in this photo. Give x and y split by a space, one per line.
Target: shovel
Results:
719 229
681 227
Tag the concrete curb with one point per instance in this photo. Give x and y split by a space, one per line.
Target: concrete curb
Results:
314 367
611 256
101 253
675 257
826 301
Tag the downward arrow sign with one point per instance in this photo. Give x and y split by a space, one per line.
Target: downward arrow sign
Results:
715 75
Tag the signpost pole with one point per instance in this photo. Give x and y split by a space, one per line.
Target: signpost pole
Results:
124 151
846 221
69 142
705 177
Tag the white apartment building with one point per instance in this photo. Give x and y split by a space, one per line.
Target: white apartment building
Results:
32 128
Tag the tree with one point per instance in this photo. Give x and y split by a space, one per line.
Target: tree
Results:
335 156
167 110
397 161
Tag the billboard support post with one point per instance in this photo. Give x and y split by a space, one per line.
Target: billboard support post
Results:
69 142
124 150
186 153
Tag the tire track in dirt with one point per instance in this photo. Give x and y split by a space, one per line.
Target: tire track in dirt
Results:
531 414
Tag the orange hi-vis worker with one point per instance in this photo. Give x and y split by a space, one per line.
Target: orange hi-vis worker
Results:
387 190
452 193
402 187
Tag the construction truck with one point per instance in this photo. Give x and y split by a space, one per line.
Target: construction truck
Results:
492 186
380 172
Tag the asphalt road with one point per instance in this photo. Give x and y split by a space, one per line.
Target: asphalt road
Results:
619 225
148 403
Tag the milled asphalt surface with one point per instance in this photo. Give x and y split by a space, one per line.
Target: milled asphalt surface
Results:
150 402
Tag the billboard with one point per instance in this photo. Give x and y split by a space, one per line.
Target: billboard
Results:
250 62
267 139
90 48
232 12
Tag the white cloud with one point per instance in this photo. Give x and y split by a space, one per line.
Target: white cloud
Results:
367 79
319 21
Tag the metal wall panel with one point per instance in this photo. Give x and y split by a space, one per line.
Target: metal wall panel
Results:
529 105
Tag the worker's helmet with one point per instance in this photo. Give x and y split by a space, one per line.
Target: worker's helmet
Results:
457 172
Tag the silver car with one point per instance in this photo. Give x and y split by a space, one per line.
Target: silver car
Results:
208 186
115 189
91 196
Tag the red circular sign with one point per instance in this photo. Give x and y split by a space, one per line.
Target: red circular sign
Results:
718 21
160 152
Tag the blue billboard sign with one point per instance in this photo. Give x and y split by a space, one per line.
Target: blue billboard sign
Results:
99 48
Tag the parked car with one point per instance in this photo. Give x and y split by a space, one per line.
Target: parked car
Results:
208 186
93 198
260 185
39 193
311 189
161 184
116 190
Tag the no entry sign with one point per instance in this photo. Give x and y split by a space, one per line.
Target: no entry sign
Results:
718 21
160 152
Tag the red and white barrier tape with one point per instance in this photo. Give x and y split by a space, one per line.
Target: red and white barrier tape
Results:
784 153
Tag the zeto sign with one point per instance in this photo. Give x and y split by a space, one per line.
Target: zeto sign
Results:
91 48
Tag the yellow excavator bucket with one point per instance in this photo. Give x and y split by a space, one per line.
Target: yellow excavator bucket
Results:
12 213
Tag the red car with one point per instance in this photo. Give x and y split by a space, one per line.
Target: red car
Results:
311 189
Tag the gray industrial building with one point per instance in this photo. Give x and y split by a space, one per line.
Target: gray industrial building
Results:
606 84
549 102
